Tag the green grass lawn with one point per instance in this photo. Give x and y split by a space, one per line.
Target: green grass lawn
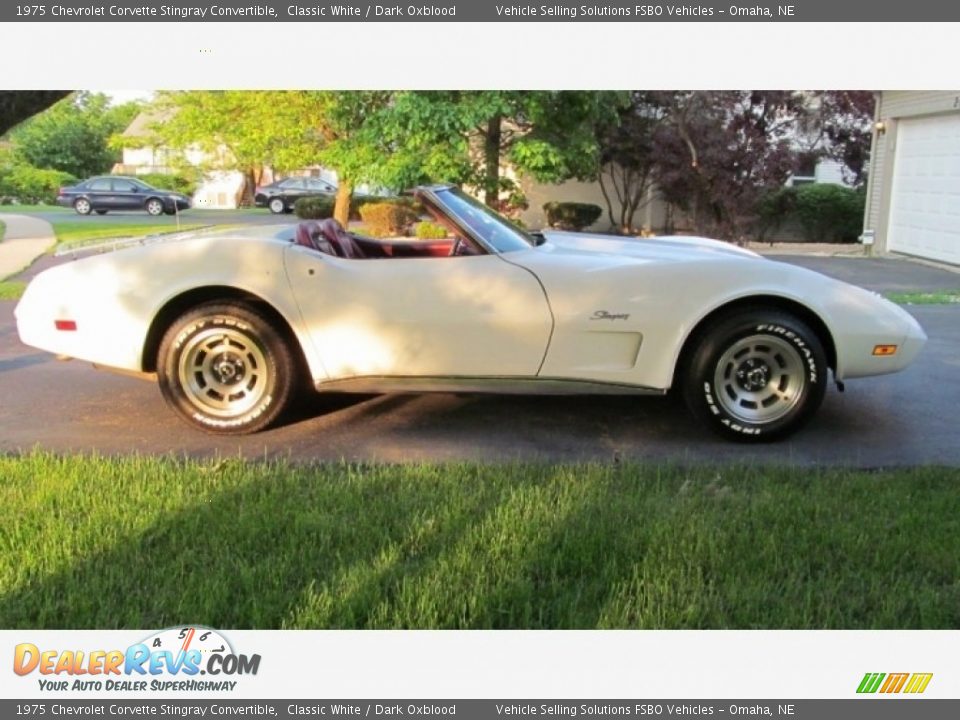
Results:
3 230
940 297
11 289
82 231
148 543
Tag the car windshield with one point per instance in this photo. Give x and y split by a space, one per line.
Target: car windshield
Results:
496 231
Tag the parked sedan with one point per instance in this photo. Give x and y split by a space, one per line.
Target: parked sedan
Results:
100 194
281 195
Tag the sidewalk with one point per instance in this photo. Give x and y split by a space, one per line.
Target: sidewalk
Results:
804 248
25 240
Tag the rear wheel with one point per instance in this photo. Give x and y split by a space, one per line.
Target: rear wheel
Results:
223 368
82 206
757 375
154 207
277 206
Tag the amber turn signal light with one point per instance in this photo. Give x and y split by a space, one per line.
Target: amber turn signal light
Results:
884 349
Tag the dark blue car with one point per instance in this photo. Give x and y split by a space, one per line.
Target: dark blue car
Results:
115 192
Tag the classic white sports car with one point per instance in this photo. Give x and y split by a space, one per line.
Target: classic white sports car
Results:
233 322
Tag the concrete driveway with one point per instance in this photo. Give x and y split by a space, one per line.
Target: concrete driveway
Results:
903 419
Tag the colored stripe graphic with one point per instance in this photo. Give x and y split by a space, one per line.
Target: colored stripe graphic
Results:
918 682
895 682
870 682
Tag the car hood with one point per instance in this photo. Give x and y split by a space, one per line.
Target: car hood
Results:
661 249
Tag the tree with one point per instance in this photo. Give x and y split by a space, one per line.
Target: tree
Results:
627 158
249 131
718 152
844 119
19 105
343 132
72 136
467 137
239 130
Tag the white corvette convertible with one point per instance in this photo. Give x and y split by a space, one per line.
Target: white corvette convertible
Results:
235 324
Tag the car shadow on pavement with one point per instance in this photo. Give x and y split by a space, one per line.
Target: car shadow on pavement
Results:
23 361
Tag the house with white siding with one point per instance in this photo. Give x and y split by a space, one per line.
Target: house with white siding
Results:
913 192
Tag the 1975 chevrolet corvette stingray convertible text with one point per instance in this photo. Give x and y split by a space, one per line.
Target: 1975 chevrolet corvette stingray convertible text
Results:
233 323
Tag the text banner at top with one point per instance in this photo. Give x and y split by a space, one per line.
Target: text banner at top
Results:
480 11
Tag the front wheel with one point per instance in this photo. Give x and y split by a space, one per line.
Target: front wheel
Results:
757 375
223 368
82 206
154 207
277 206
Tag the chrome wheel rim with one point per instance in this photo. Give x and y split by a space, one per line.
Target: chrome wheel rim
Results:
276 206
223 372
760 379
82 207
154 207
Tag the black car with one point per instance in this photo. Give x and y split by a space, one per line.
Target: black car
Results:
281 195
114 192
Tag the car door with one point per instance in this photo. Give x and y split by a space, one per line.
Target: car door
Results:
100 193
291 189
126 195
469 316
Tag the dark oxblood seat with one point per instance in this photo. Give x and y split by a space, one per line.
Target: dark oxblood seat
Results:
310 235
342 241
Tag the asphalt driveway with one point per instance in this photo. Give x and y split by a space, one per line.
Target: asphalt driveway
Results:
902 419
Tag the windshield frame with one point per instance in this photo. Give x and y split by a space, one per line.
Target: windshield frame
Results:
521 240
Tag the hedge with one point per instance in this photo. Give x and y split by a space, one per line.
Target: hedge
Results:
30 186
571 215
427 230
387 218
829 213
314 208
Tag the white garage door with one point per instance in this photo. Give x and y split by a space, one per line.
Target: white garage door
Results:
925 201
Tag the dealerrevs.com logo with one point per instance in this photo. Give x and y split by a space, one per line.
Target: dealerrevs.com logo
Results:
176 659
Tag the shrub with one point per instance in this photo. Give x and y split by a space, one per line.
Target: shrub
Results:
774 210
387 218
30 185
427 230
830 213
314 208
358 201
176 183
571 215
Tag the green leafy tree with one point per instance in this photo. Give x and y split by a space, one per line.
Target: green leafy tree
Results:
73 135
249 131
468 136
341 130
239 130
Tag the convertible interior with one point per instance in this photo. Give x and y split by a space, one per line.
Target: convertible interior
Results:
329 237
